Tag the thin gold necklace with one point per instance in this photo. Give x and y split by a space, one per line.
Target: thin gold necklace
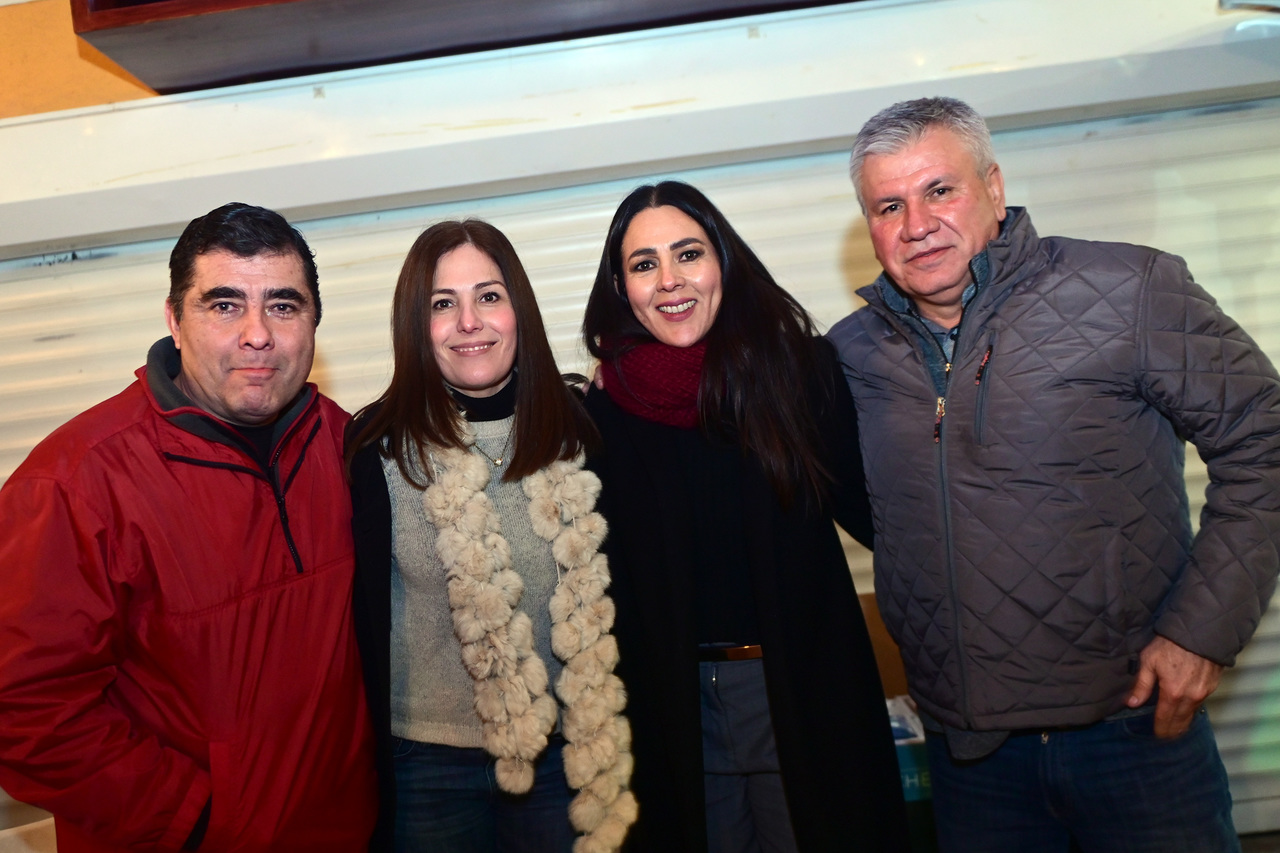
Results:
497 462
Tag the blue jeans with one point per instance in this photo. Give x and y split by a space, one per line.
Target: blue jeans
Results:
1112 787
448 801
746 808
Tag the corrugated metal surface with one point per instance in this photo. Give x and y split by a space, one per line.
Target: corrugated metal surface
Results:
1204 184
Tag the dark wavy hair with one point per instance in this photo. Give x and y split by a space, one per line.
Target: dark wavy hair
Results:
759 349
245 231
417 411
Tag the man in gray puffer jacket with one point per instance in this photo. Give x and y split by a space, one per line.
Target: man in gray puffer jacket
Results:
1023 404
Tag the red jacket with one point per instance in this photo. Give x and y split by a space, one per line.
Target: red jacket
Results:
175 627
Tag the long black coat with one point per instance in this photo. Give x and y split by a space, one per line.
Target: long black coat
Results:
837 757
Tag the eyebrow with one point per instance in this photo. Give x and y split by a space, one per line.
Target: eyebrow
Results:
291 294
476 286
226 291
216 294
679 244
936 182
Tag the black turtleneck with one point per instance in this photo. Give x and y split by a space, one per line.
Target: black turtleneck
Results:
495 407
262 439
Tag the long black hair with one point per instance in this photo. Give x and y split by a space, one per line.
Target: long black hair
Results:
760 356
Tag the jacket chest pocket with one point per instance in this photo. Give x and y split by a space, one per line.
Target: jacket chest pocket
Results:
982 379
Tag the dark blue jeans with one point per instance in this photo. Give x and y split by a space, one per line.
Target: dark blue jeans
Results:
448 801
1113 787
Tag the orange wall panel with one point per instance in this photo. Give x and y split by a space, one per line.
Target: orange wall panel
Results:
44 66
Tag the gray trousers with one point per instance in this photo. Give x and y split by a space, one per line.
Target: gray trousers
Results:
746 809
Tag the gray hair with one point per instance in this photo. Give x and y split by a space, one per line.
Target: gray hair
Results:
894 128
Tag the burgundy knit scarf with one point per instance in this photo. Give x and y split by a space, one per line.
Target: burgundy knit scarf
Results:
658 382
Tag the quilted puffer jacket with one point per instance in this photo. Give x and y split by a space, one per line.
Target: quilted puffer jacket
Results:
175 630
1032 527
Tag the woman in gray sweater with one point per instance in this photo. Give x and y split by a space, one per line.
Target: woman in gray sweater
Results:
480 590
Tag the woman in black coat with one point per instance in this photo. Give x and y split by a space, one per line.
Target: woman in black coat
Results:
730 445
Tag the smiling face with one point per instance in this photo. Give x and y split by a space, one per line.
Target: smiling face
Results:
930 212
246 337
473 324
672 275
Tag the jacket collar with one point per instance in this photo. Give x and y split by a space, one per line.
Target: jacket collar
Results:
162 368
1014 255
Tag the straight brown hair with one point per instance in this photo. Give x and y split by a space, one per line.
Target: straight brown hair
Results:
417 411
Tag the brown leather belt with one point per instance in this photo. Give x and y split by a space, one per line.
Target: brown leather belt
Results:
729 653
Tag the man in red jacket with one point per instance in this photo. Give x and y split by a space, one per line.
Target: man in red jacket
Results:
177 664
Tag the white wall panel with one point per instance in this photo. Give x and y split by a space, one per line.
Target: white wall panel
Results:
612 106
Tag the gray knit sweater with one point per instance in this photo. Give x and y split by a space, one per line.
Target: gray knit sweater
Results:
431 691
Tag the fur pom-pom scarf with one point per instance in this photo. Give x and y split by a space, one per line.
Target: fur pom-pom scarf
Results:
497 640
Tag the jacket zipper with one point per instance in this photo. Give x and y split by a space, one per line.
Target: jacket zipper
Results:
979 408
940 407
274 479
944 485
944 495
940 412
279 491
272 476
